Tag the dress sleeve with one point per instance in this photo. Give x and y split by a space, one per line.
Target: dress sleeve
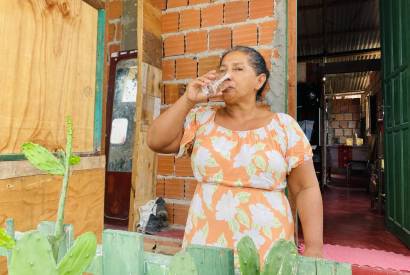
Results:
298 146
190 127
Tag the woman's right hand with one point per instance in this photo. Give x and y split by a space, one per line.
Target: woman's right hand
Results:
194 88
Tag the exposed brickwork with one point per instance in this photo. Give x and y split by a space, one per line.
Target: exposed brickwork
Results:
212 15
170 22
260 8
344 120
235 11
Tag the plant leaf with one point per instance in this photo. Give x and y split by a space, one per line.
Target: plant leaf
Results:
42 159
248 256
74 160
79 257
5 240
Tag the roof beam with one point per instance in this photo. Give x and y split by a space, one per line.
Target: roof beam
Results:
329 34
305 58
329 4
351 66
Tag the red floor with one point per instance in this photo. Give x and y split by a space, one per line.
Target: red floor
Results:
349 221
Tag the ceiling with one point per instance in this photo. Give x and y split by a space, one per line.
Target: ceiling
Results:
339 31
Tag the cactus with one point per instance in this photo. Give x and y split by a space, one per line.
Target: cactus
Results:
182 264
5 240
44 160
248 257
281 259
32 255
79 257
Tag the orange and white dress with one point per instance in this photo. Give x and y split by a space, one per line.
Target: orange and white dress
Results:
241 180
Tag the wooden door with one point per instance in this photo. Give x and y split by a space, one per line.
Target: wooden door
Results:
121 100
395 36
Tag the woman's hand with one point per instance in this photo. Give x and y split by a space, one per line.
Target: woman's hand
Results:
194 89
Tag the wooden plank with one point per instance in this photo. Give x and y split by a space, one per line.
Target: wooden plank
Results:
99 79
212 260
47 72
14 169
97 4
29 200
147 106
123 252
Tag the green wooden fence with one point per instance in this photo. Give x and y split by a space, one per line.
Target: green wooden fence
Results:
122 253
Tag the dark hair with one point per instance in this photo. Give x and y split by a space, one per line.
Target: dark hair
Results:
255 59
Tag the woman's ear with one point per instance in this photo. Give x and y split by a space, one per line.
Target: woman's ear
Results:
260 80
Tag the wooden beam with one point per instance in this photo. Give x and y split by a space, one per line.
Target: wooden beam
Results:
352 66
97 4
147 106
304 58
15 169
334 3
329 34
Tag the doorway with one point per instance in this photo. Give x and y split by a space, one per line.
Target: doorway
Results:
343 108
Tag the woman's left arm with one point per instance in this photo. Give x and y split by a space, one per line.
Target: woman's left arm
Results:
304 187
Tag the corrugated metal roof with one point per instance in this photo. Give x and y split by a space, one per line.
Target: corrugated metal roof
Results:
334 26
339 27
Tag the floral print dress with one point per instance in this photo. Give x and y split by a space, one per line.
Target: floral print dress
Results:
241 180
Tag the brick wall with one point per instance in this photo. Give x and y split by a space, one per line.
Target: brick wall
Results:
195 33
344 119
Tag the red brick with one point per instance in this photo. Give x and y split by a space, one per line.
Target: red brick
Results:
266 31
212 15
160 4
196 42
174 188
174 45
267 55
194 2
168 69
236 12
170 22
111 32
207 64
114 9
170 210
189 19
114 48
190 186
245 35
180 213
185 68
172 92
260 8
160 188
176 3
220 39
165 165
183 167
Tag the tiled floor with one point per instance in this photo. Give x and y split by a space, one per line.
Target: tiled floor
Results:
349 221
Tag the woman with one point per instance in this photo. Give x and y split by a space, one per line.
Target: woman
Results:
243 157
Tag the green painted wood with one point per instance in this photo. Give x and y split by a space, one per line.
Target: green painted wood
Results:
343 269
212 260
306 266
123 253
99 81
12 157
324 267
395 42
156 264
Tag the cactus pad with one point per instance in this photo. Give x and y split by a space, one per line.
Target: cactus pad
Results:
32 255
248 257
42 159
281 258
79 257
5 240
